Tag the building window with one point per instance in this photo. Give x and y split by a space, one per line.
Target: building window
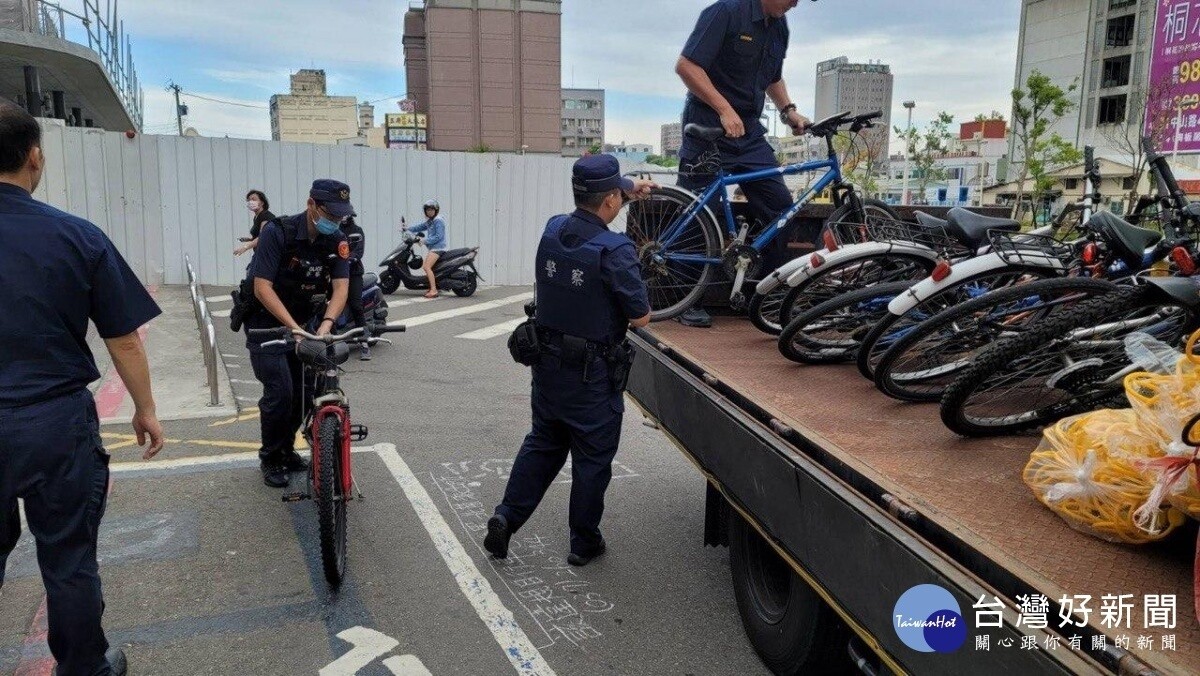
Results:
1112 110
1116 72
1127 183
1119 4
1070 183
1120 31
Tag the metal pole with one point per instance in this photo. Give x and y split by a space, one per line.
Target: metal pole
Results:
908 131
60 104
178 111
33 91
1178 131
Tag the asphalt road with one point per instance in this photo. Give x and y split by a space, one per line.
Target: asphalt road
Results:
206 571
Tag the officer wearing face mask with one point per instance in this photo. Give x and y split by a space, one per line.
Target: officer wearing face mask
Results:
297 258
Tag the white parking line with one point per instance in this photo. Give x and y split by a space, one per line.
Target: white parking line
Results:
492 331
220 313
408 301
499 620
219 299
468 310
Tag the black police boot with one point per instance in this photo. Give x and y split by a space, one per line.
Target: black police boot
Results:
116 661
294 462
274 473
584 559
497 538
696 316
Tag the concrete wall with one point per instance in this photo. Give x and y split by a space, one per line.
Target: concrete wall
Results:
1053 40
159 197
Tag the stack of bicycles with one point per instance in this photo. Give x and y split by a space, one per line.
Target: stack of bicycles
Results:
1008 330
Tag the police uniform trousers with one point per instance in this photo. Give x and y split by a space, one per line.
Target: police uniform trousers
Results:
767 198
354 301
284 398
570 417
52 458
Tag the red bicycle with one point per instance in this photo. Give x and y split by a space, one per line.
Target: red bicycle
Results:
329 432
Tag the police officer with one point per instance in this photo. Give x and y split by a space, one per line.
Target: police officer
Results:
297 258
354 300
57 272
589 290
730 64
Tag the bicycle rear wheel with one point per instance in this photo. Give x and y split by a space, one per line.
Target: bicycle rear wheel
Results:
331 503
831 332
676 273
851 275
923 363
891 328
1067 365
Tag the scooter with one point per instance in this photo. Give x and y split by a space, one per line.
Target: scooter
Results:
375 307
455 270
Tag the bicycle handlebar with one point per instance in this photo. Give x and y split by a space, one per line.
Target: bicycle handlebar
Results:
283 332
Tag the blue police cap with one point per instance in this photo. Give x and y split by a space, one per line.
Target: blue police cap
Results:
598 173
334 196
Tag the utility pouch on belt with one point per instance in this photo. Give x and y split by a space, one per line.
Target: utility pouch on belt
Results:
524 345
620 360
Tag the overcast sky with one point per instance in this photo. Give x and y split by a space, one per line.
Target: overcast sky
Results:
953 55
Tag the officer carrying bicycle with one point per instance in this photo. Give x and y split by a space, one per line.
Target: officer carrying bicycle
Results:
297 258
730 64
589 291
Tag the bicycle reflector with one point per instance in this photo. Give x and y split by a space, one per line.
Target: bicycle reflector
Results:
1183 260
830 241
1091 254
941 271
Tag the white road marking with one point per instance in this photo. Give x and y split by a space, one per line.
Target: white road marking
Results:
406 665
219 299
368 646
407 301
244 382
492 331
468 310
520 651
220 313
232 356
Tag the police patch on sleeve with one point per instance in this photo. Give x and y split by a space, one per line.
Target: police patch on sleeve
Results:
344 250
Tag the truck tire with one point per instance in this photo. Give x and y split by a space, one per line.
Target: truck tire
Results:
790 626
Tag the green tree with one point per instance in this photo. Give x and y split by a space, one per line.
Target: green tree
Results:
925 147
481 148
995 115
1035 109
595 149
1049 154
860 155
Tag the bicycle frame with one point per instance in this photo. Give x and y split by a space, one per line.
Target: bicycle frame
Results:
718 190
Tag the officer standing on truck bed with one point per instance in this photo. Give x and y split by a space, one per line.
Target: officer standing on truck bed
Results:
589 291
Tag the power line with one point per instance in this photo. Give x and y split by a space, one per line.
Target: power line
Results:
261 107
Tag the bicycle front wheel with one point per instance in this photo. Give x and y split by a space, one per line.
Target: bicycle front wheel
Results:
331 503
1070 364
831 332
678 261
923 363
851 275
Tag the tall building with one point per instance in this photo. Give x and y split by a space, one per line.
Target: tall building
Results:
672 139
486 72
1105 47
310 115
366 115
858 88
582 120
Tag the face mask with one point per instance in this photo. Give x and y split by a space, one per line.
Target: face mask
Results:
252 205
326 226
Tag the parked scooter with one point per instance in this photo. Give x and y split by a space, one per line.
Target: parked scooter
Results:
375 308
455 270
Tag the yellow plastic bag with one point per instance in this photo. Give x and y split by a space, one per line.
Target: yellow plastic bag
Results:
1086 471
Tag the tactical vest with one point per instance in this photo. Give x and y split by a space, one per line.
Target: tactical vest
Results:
571 297
302 275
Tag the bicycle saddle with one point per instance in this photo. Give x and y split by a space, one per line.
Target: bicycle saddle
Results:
703 133
929 221
319 354
1128 241
972 229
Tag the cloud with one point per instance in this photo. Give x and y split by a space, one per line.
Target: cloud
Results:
207 117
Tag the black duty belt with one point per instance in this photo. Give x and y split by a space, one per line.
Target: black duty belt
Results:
573 349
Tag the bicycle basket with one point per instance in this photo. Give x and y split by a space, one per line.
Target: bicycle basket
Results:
1023 248
932 237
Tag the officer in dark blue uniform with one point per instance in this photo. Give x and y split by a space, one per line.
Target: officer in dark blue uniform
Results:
589 291
730 64
57 272
297 258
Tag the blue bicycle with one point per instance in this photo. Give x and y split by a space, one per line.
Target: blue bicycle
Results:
680 245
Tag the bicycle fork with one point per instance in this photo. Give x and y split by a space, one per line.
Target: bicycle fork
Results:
741 264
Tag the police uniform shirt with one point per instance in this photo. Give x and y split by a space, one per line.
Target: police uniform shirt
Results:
331 251
742 50
56 272
620 271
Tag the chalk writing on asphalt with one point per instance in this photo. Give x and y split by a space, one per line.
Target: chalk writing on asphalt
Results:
553 593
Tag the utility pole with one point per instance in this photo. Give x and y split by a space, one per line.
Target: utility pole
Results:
908 130
178 107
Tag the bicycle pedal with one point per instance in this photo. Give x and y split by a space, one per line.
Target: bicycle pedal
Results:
358 432
295 497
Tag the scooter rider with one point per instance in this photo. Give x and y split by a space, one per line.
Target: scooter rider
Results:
358 244
297 258
435 240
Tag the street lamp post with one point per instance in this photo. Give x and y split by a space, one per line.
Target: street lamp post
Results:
908 131
982 163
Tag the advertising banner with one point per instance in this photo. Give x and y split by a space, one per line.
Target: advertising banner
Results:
1174 84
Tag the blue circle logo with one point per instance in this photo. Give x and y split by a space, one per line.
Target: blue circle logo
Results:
928 619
